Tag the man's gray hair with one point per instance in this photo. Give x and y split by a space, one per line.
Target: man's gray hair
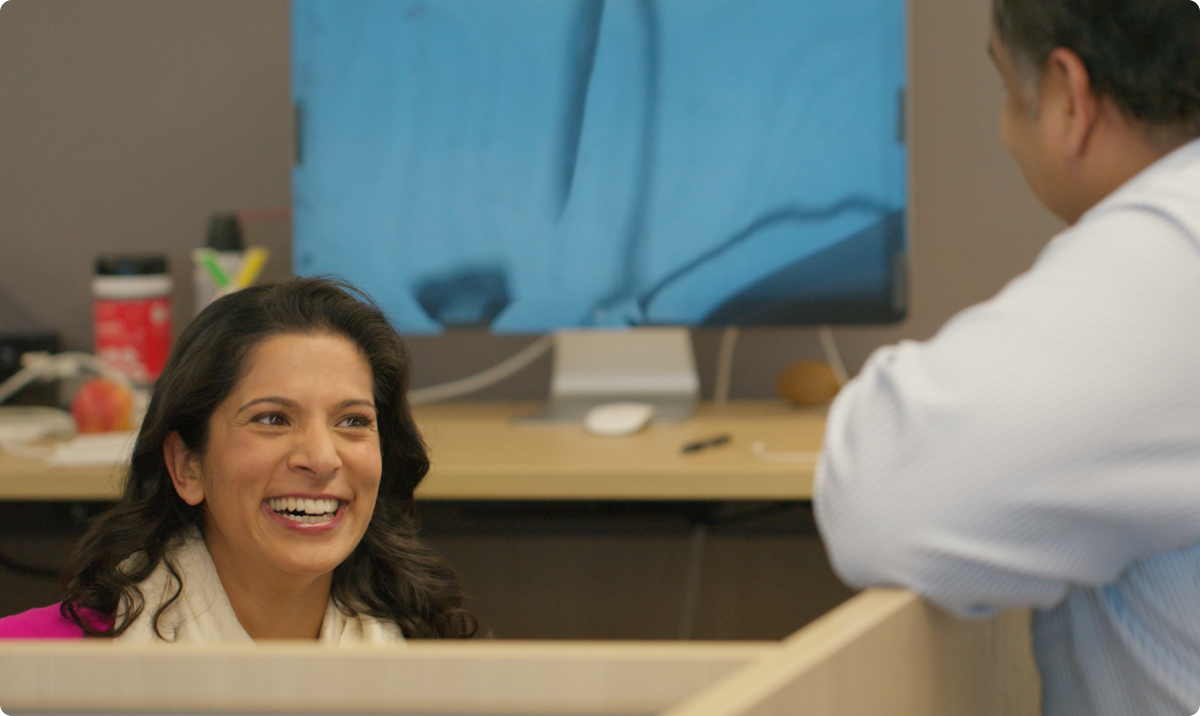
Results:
1143 54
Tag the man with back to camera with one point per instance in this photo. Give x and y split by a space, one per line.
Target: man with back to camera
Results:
1043 449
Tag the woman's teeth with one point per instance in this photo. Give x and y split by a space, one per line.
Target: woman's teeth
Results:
304 509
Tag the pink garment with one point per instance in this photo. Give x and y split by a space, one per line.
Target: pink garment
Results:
49 623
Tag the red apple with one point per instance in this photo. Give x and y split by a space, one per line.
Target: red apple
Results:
101 405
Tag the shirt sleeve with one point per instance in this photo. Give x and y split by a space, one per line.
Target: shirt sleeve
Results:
1043 439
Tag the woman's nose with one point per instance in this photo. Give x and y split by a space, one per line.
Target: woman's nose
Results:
316 452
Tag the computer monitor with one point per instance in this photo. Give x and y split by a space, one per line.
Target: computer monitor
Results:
528 166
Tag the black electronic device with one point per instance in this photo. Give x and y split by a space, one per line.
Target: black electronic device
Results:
15 345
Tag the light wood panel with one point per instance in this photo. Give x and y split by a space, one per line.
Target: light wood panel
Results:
885 652
426 677
479 452
27 480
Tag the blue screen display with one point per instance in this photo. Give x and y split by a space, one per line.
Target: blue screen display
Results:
529 165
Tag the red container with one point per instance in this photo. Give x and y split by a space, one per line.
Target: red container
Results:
132 314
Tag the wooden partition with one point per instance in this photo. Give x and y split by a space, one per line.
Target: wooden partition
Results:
424 678
884 652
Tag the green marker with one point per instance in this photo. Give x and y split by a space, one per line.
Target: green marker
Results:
208 259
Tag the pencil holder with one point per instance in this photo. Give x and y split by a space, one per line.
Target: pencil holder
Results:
224 265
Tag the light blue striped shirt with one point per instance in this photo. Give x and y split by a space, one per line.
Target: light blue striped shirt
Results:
1043 450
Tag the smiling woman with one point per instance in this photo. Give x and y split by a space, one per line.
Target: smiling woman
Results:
271 490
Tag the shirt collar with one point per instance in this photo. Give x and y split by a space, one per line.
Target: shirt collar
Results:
1184 156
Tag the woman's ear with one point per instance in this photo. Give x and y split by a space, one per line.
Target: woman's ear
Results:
184 467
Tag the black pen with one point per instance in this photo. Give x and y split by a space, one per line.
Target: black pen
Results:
699 445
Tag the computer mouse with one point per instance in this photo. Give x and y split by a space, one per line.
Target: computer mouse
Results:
617 419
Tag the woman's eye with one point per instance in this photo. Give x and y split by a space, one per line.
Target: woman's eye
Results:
270 419
356 421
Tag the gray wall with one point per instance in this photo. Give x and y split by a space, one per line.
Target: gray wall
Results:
124 123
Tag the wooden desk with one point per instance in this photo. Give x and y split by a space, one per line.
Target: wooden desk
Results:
884 651
480 453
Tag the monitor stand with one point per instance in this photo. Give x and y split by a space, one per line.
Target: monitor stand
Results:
645 365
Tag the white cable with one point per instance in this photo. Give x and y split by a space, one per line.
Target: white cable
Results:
724 365
484 379
832 356
58 366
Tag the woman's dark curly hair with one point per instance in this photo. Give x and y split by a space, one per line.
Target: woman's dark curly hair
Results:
391 574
